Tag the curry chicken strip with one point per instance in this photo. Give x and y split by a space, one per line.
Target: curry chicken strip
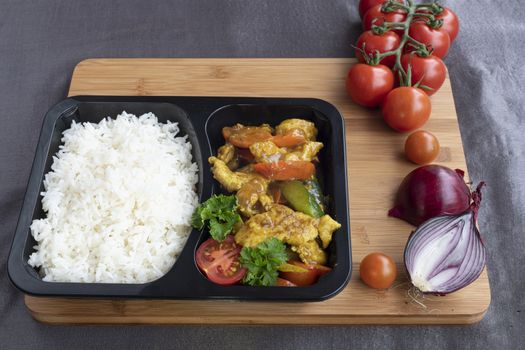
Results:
307 128
267 151
307 151
231 180
294 228
310 253
327 226
253 198
226 153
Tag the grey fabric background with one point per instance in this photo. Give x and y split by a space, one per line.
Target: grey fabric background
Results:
42 41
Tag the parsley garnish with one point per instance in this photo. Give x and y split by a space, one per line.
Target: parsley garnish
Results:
262 262
220 212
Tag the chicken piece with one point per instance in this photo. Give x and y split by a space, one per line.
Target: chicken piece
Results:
253 198
293 228
266 152
307 151
226 153
310 253
230 180
327 227
289 226
227 131
244 136
306 127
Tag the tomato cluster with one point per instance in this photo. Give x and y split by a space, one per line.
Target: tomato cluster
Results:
400 59
400 66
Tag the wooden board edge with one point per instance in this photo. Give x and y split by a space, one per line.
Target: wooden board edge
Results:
314 320
270 320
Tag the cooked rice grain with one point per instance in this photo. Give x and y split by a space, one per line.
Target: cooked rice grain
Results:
119 199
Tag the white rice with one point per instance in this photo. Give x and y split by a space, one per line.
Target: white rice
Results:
119 199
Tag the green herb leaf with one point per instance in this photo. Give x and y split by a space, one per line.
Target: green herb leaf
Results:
263 261
221 214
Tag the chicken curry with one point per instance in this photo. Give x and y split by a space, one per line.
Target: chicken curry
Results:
272 172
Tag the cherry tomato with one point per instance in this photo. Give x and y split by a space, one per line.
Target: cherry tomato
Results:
406 108
450 23
312 274
365 5
380 17
281 282
286 170
429 71
378 270
388 41
219 261
368 85
421 147
437 39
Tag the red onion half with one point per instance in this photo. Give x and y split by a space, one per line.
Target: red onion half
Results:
429 191
446 253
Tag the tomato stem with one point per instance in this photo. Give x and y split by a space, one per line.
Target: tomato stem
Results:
412 15
427 15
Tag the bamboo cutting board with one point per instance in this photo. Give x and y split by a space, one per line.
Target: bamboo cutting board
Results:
375 168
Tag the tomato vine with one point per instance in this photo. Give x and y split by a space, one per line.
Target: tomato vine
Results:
425 12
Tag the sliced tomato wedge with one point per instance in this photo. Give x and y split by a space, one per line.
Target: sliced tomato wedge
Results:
275 192
321 269
247 136
219 261
281 282
245 154
307 278
286 170
289 140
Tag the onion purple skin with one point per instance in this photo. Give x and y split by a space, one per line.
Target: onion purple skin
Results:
430 191
463 254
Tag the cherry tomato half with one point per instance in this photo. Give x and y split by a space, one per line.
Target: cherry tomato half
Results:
435 38
421 147
378 270
368 85
406 109
371 43
429 71
219 261
375 13
309 277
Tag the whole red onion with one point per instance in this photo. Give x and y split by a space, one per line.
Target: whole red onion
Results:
429 191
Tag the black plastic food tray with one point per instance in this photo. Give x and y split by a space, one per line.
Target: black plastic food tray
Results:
201 118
